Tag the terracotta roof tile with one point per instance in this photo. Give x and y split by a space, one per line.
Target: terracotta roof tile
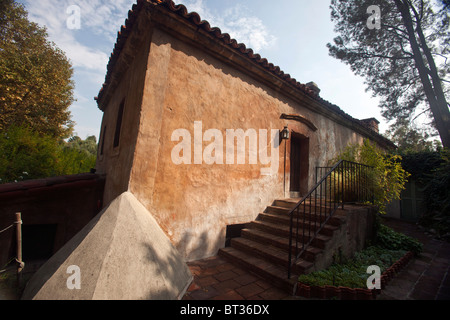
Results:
194 18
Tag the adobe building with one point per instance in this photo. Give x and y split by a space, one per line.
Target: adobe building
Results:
199 133
192 123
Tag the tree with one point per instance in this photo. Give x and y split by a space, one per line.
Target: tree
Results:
410 138
27 154
399 59
446 4
35 76
432 170
78 155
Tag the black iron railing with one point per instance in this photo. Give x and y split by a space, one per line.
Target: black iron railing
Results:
346 182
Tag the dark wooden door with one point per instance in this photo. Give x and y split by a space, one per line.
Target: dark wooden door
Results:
296 153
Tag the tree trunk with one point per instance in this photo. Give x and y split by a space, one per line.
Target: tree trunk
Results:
435 95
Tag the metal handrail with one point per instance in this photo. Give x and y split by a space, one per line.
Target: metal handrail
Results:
346 182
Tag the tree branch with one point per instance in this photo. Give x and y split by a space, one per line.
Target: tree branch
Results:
405 34
443 56
382 56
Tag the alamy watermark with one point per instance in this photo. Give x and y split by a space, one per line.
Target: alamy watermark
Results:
374 21
374 281
73 21
74 280
228 150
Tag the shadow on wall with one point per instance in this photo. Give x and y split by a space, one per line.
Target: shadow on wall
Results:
202 246
174 270
170 273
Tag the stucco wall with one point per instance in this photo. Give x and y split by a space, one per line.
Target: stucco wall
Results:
195 202
116 162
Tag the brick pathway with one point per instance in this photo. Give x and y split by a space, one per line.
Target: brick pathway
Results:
217 279
426 277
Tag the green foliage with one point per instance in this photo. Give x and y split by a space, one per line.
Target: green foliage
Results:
353 274
389 246
398 61
35 76
432 170
389 239
26 154
388 178
437 190
421 164
410 138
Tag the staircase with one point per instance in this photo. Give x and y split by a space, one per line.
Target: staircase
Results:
263 247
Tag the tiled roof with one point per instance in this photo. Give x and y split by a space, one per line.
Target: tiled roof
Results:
195 19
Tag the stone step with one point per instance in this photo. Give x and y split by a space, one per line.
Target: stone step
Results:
305 222
265 269
266 252
283 230
305 207
336 220
270 253
290 203
282 243
286 203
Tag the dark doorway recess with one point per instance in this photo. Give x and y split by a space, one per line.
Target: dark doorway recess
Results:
299 164
38 241
233 231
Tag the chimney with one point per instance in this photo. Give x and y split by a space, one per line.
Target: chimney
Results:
371 123
314 87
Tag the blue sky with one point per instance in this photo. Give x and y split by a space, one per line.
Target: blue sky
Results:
290 33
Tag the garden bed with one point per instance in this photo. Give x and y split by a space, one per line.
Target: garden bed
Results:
347 280
312 289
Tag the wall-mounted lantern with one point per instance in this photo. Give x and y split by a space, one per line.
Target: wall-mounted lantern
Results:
285 133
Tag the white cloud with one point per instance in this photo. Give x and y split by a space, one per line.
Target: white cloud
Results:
98 17
104 17
237 22
90 47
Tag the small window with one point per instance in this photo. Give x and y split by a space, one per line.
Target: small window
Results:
119 125
103 140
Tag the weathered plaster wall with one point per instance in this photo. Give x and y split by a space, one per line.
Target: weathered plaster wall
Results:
116 162
195 202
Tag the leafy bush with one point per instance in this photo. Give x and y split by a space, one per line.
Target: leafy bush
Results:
26 154
432 170
353 274
389 239
389 247
388 178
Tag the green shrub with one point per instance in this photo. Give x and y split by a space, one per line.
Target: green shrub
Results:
26 154
390 239
387 177
389 247
432 170
353 274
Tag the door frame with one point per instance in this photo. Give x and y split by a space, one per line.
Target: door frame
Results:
302 164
